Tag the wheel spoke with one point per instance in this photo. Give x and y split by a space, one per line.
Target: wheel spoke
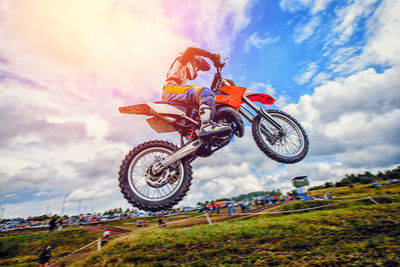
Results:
291 143
139 177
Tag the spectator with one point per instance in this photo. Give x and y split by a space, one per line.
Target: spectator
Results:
213 205
60 223
52 224
105 238
242 207
161 222
45 256
230 208
329 194
81 220
248 203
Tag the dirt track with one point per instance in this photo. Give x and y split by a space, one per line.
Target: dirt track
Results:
101 228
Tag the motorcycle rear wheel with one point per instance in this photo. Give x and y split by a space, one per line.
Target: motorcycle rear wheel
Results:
290 148
153 192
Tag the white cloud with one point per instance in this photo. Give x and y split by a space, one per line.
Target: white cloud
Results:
259 42
349 114
62 81
383 43
321 78
314 6
61 130
216 23
307 74
305 30
260 87
349 16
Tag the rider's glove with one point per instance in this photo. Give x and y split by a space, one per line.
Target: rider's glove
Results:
216 58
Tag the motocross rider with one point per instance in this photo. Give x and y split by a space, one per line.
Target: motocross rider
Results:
185 67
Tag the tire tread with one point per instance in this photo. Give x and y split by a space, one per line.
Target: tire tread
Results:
165 204
271 154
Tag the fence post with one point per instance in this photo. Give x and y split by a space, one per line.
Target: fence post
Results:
99 244
373 200
208 218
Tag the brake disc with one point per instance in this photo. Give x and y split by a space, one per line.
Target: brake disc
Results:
169 175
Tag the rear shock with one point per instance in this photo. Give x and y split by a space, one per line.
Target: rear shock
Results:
191 134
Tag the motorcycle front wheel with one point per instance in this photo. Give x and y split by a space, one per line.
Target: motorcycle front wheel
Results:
153 191
290 147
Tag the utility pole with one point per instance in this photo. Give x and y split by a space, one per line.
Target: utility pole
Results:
79 206
2 213
63 205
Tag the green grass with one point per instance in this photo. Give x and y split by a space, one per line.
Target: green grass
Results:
24 250
358 190
361 234
355 233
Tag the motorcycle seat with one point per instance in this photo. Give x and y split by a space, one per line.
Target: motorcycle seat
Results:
185 107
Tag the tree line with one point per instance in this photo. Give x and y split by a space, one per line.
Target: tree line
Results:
245 196
362 178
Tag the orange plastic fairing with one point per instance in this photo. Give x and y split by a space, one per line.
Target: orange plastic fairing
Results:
233 97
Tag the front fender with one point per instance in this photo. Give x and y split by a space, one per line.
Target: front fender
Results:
262 98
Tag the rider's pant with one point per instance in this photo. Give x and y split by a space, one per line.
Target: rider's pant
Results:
193 95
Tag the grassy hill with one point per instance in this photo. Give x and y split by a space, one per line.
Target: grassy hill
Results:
359 190
24 250
349 232
358 233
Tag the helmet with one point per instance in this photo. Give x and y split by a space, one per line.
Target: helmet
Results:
196 64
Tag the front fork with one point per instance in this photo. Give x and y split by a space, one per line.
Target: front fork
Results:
250 117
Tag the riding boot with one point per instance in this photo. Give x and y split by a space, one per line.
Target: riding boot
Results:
207 127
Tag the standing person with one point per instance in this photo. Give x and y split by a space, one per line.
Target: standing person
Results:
213 206
231 208
161 222
242 207
81 220
105 238
45 256
52 224
185 67
60 223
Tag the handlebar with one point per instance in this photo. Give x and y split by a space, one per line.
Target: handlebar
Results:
217 76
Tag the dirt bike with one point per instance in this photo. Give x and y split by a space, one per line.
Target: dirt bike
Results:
156 175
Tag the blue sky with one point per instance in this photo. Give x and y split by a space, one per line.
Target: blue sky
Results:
334 65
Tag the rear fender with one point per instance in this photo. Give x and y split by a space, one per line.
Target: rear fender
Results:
150 109
164 115
141 109
262 98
